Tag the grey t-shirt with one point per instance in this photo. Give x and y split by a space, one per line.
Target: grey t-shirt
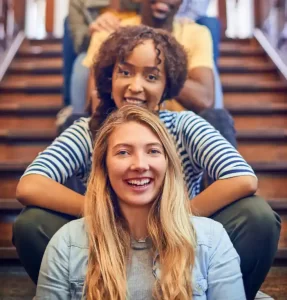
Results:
139 274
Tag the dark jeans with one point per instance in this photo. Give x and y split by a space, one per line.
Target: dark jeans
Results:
253 228
69 55
214 26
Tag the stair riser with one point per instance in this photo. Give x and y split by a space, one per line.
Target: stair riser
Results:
8 185
28 123
20 152
263 151
272 185
247 122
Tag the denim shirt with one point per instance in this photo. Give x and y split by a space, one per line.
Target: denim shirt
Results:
215 275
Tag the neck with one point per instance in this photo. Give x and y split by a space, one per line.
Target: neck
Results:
137 220
149 20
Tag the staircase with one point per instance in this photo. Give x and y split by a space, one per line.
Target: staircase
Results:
30 97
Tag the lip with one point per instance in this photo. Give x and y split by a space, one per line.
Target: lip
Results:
134 98
140 101
139 189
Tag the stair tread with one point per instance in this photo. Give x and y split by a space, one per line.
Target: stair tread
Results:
35 100
258 108
23 81
260 98
254 62
37 50
36 64
269 166
259 134
235 49
243 78
29 109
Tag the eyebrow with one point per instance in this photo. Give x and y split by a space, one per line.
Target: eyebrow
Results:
154 68
130 146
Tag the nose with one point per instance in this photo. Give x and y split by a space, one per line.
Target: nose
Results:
136 85
139 163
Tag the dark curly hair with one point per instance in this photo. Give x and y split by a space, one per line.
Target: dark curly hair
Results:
118 46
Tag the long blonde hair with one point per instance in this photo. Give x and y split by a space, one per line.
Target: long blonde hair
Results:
169 223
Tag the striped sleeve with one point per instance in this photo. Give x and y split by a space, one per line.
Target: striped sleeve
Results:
208 150
68 155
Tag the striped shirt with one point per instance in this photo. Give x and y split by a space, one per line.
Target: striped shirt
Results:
199 146
193 9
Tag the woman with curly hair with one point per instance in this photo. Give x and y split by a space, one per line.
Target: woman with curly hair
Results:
144 66
138 239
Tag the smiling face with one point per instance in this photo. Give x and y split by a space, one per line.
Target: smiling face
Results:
141 78
162 9
136 165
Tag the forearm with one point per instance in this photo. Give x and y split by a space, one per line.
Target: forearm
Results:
194 96
221 193
79 20
38 190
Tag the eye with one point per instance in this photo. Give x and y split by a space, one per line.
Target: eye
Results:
123 72
152 77
122 153
154 151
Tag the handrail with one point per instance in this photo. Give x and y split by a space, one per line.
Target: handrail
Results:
12 20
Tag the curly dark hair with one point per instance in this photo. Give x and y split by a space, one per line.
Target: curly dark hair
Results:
118 46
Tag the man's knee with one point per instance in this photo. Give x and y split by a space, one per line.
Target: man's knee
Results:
260 220
27 224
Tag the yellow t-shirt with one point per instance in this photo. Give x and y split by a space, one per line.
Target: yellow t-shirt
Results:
196 40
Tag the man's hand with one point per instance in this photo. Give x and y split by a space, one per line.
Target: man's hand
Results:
105 22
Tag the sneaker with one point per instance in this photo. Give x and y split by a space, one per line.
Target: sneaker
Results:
63 114
262 296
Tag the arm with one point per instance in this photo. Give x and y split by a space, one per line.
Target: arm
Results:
209 151
221 193
68 155
224 275
198 91
53 280
79 25
41 191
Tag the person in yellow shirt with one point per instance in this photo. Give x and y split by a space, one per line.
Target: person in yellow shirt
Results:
198 92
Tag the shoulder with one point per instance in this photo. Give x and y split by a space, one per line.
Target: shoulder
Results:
82 122
190 27
136 20
72 234
181 120
208 231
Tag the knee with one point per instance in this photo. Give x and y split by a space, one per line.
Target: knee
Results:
260 220
27 225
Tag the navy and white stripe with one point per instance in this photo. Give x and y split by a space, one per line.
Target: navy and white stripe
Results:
199 145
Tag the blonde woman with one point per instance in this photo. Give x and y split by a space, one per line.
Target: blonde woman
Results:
145 67
138 240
